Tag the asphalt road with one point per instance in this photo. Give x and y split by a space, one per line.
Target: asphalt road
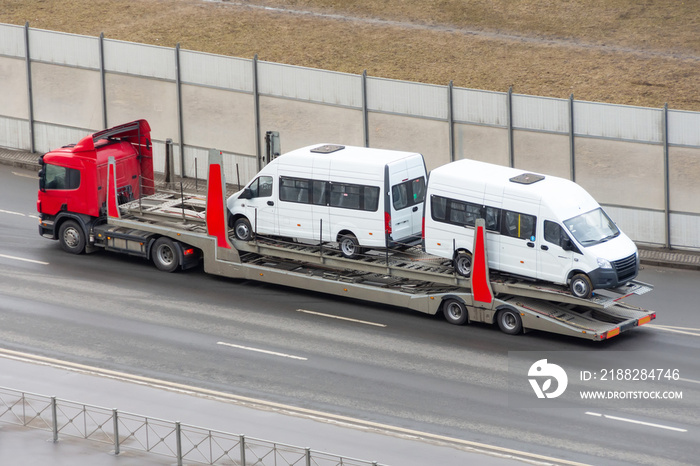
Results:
385 365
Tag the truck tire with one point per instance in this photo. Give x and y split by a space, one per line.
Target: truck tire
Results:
463 263
72 237
581 286
242 229
455 311
165 255
509 321
349 246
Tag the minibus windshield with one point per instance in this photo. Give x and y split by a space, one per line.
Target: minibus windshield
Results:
593 227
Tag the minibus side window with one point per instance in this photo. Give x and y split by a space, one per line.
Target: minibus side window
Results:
408 193
492 216
319 192
353 196
518 225
438 207
371 198
295 190
554 233
464 213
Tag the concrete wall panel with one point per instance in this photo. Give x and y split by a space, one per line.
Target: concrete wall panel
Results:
218 119
303 123
621 173
67 96
131 98
542 152
13 97
483 143
429 137
684 179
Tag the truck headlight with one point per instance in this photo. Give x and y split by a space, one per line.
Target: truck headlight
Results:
604 263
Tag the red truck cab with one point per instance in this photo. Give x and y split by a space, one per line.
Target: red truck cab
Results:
73 179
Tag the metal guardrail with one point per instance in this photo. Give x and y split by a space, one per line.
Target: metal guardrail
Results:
185 443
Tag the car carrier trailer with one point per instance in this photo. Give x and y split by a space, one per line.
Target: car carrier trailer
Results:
175 230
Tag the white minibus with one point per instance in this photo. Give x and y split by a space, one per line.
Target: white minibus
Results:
360 197
540 227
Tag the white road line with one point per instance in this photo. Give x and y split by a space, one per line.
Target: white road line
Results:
24 260
35 177
341 318
665 327
248 348
633 421
690 380
12 213
676 330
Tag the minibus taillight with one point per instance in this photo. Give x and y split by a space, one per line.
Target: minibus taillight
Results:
422 229
387 223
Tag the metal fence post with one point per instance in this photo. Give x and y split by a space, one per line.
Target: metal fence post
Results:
54 415
103 81
572 147
511 150
308 456
667 190
180 129
451 121
178 443
115 422
242 444
30 98
256 109
365 118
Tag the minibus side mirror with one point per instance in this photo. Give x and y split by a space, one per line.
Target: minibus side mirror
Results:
246 194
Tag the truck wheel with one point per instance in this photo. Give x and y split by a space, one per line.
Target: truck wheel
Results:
581 286
463 263
242 229
350 247
455 311
165 255
510 322
71 237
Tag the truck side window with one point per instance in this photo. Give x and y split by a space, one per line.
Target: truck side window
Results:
61 177
518 225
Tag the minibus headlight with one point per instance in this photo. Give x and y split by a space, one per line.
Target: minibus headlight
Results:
604 263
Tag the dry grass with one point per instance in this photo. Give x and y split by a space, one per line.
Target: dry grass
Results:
634 52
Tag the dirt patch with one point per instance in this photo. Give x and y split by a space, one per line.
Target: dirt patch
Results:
633 52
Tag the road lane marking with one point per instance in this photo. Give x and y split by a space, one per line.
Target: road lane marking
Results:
23 259
258 350
256 403
681 330
341 318
18 213
633 421
34 177
690 380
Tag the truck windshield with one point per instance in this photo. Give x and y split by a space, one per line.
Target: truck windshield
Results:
591 228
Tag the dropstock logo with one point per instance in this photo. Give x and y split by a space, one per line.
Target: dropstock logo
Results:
542 373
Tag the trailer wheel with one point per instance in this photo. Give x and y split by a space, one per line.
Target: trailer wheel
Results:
463 263
510 322
349 246
71 237
455 311
165 255
581 286
242 229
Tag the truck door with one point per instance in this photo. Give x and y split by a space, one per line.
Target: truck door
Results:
554 255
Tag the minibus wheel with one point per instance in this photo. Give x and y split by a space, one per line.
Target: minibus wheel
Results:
581 286
455 311
463 263
349 246
509 321
242 229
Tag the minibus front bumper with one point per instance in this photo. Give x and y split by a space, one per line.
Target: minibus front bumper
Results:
622 271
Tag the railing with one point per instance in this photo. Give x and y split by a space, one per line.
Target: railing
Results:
185 443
